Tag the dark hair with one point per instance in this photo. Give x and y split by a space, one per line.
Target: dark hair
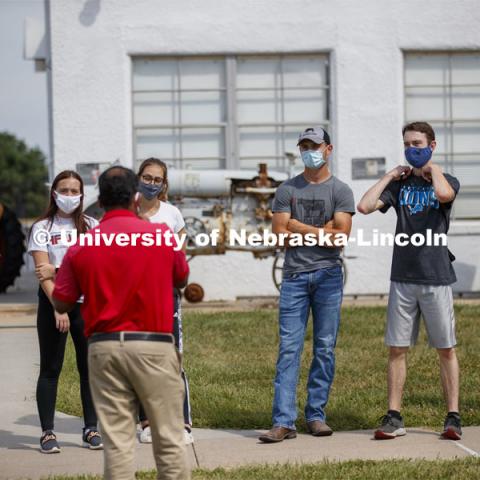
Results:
156 161
77 215
117 185
422 127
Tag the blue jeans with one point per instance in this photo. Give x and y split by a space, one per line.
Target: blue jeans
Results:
322 291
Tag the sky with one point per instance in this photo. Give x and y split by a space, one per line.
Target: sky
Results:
23 92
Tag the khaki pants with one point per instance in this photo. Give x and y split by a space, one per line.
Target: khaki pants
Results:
121 373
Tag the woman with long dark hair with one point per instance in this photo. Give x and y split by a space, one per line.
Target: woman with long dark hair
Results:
153 206
48 243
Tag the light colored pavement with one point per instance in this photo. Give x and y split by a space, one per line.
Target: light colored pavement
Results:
234 448
19 431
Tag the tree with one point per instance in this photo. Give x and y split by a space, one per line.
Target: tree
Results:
22 177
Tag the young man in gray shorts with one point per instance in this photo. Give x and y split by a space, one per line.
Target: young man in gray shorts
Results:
422 196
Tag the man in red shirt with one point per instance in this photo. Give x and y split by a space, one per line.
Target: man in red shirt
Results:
127 277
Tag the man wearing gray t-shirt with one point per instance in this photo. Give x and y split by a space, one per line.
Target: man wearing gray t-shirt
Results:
314 203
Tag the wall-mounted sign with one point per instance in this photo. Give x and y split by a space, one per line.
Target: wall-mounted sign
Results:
365 168
90 171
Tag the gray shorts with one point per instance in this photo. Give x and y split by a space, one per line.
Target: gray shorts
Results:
405 304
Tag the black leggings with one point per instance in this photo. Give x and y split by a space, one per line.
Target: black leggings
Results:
52 350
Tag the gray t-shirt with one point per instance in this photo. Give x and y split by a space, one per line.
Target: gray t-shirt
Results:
312 204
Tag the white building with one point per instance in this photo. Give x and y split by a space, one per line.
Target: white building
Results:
225 84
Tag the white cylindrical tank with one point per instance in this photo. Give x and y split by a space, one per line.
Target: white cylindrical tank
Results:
209 183
196 183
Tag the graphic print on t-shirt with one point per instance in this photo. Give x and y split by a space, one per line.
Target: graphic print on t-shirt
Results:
56 237
417 198
310 211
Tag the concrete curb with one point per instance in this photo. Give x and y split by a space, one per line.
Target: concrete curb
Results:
16 308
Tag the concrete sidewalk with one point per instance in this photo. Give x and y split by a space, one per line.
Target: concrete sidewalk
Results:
19 433
20 458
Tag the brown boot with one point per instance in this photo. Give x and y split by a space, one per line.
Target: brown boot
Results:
278 434
319 429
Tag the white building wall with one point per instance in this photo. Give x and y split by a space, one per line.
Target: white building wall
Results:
92 42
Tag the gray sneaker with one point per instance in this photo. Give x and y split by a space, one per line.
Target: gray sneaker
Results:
452 428
389 428
48 443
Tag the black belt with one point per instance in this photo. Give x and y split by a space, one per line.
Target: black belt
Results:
129 336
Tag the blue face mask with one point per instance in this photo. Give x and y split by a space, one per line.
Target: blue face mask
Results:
417 157
313 159
149 191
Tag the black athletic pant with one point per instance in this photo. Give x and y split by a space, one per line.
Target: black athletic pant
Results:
178 335
52 350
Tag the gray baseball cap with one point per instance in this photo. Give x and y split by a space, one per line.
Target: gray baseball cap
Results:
317 135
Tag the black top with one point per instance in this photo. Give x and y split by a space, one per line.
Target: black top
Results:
418 211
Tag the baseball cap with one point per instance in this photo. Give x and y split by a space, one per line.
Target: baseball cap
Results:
316 134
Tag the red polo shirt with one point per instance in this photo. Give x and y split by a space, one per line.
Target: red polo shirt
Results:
127 288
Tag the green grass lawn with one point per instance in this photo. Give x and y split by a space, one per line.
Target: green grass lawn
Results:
464 469
230 362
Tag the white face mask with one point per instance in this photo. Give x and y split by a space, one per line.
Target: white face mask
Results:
67 203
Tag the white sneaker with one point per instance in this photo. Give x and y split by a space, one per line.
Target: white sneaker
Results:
146 435
188 436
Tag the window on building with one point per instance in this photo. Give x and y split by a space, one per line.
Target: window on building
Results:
444 90
226 112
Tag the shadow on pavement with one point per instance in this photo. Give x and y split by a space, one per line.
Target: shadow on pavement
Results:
63 424
12 441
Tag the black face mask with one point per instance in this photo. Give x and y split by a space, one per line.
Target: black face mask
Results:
149 191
